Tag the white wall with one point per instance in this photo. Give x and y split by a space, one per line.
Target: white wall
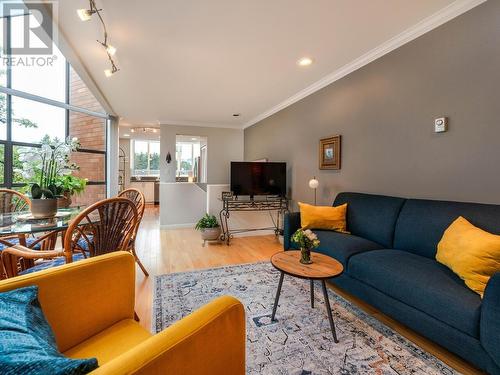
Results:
223 146
182 204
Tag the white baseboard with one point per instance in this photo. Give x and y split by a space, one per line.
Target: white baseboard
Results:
177 226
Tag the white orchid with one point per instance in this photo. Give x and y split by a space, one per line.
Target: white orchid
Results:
49 161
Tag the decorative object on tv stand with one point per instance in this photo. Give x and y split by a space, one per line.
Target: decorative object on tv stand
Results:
313 184
329 152
47 165
209 228
307 241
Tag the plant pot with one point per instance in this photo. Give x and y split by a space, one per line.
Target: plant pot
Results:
64 201
210 234
43 208
305 256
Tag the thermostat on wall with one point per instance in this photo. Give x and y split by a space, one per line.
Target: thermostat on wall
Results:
441 124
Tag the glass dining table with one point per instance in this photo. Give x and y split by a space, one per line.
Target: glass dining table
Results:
23 222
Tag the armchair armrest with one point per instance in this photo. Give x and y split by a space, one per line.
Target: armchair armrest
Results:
11 255
211 340
490 319
85 297
290 226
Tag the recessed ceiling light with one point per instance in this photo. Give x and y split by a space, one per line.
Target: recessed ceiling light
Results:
305 61
126 135
194 139
236 114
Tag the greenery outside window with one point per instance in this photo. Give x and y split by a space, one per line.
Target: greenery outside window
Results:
146 157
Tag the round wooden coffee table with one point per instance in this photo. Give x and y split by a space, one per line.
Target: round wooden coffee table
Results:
322 267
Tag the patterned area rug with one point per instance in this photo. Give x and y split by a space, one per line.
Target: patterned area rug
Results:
300 341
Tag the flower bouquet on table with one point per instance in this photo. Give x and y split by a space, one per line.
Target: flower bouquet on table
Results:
307 240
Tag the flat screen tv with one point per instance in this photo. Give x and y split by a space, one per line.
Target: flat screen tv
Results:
258 178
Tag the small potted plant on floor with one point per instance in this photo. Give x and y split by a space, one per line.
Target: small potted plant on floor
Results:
307 241
209 228
45 165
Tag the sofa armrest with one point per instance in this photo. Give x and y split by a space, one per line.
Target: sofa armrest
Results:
83 298
211 340
490 318
290 226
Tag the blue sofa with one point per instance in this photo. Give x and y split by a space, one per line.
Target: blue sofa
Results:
389 262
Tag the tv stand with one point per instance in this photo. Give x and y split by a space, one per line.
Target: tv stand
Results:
231 203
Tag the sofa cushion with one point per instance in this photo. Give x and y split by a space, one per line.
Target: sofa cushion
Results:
342 246
111 342
421 283
421 223
371 216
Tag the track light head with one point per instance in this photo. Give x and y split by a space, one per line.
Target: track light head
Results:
85 14
109 72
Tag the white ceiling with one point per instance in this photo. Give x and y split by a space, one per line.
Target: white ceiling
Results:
197 62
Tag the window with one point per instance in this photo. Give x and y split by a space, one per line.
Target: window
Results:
190 154
50 100
34 119
146 157
47 80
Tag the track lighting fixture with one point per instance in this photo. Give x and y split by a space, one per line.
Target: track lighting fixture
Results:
85 15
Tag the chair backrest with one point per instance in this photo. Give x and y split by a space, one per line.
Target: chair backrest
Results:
104 227
13 201
137 197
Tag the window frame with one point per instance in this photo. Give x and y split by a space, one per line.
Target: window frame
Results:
133 169
9 143
193 158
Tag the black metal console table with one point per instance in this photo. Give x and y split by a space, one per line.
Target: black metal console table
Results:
267 203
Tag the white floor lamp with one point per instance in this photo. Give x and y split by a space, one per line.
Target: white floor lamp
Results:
313 184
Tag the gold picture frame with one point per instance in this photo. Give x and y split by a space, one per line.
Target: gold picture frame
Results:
329 152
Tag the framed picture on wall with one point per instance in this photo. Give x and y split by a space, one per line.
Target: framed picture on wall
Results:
329 152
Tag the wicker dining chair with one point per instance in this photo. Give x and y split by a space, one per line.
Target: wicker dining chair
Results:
12 201
104 227
139 200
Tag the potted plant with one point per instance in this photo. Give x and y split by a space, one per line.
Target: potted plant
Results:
45 165
67 186
307 241
209 228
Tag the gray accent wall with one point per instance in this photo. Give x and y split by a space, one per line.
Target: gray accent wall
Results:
385 113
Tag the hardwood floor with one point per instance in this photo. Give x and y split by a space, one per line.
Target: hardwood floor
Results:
178 250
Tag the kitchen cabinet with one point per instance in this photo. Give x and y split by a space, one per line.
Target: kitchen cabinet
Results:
147 188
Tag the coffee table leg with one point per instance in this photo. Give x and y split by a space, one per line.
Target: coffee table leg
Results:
312 294
277 296
329 311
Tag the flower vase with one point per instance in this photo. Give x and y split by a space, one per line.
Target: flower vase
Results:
305 256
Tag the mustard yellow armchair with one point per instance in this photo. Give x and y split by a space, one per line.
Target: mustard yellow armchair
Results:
90 307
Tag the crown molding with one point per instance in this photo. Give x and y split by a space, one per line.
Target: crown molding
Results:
199 124
444 15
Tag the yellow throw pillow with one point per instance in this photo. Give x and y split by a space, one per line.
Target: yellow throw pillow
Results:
323 217
470 252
